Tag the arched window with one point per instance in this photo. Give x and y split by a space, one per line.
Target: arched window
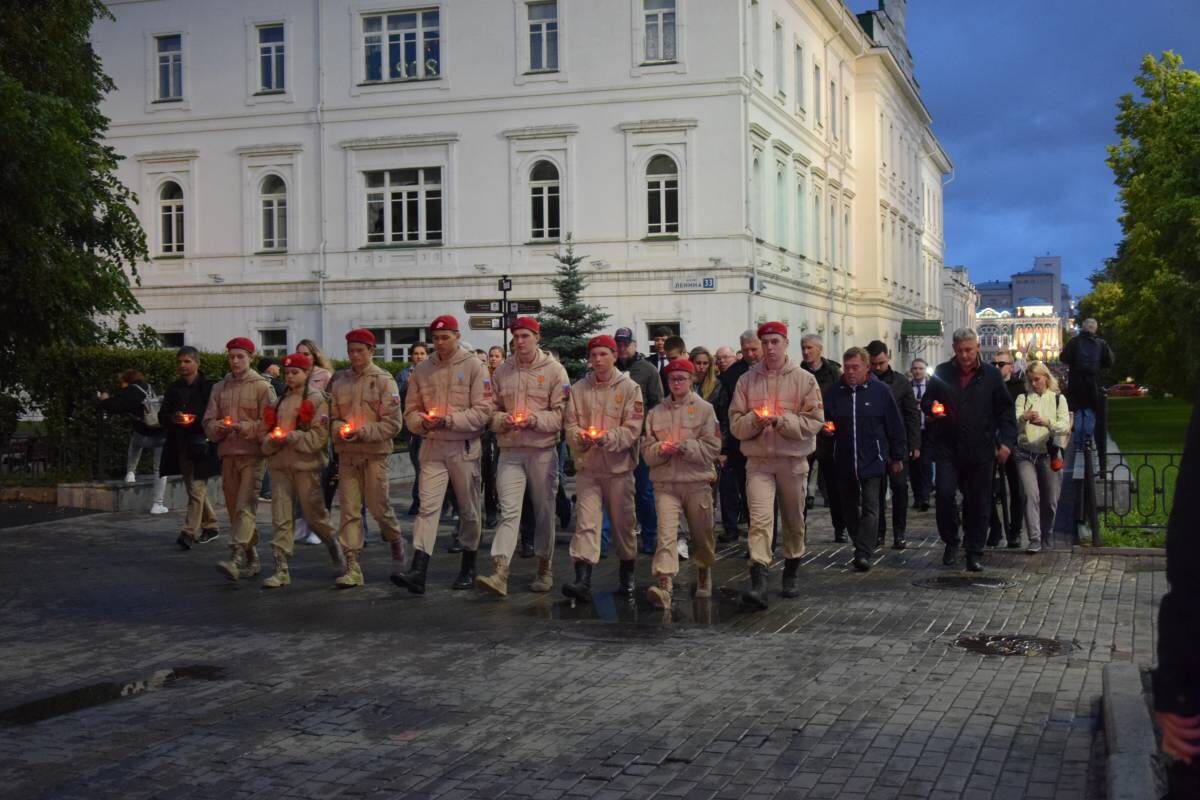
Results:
544 199
170 215
272 197
662 196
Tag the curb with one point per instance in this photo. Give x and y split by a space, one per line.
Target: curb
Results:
1119 551
1128 734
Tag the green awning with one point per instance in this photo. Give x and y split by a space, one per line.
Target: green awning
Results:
921 327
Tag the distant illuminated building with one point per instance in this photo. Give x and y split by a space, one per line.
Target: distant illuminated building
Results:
1032 330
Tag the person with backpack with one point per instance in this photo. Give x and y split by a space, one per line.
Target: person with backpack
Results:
1086 357
1041 415
136 401
188 452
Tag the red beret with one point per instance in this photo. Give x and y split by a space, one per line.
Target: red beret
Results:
681 365
603 340
772 327
361 336
298 360
526 323
444 323
240 343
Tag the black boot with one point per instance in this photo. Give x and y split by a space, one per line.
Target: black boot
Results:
581 589
973 564
756 595
791 577
950 555
899 542
414 579
625 586
840 537
466 572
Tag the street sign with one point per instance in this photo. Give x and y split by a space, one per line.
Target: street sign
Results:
706 283
483 306
504 284
524 306
486 323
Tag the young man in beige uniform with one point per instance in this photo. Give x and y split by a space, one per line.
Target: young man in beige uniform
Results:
234 419
364 410
776 413
449 405
681 445
603 419
530 390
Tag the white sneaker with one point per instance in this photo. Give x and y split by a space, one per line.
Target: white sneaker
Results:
311 538
681 547
159 508
130 477
300 531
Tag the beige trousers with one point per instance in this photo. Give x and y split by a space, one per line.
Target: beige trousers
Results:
448 463
673 501
536 467
359 479
594 492
200 514
288 486
241 480
765 479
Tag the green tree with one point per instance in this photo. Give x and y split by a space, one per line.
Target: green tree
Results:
1156 271
70 237
567 326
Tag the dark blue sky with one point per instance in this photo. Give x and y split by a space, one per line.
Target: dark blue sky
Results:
1023 96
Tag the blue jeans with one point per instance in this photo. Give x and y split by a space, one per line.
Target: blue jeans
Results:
1083 427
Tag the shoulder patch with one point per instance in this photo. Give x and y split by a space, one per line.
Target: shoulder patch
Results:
637 406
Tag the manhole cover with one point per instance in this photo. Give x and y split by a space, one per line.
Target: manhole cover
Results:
1011 645
964 582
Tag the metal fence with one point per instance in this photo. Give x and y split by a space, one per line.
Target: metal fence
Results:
1138 490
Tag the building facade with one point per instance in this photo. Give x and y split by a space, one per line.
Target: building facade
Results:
306 168
1042 283
1033 331
960 298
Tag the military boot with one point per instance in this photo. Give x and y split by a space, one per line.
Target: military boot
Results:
625 583
756 594
544 581
581 589
281 577
414 579
466 571
791 578
253 565
660 595
353 576
497 582
703 582
233 568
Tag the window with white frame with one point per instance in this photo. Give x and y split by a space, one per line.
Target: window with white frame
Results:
272 76
273 343
544 199
170 219
171 340
800 222
394 344
660 29
817 94
272 198
402 46
169 50
833 109
798 67
543 36
404 205
662 196
781 226
777 57
818 250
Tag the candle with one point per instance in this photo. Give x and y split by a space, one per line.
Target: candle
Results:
938 409
519 417
763 411
228 422
186 419
829 427
592 433
432 413
278 433
346 429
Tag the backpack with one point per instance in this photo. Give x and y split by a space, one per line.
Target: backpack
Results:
1089 353
151 405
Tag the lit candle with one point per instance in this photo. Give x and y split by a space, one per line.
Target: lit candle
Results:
278 433
592 433
228 421
938 409
187 419
830 427
346 430
763 411
519 417
431 413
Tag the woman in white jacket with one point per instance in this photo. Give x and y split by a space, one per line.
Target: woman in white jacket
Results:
1041 415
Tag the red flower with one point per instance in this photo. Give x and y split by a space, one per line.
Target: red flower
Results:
269 416
307 412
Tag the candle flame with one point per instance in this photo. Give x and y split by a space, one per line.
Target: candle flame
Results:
763 411
592 432
830 427
187 419
228 420
277 433
938 409
346 429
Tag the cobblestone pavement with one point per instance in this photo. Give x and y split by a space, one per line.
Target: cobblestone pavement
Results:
852 690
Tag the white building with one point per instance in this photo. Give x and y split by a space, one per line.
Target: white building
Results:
305 168
959 300
1033 330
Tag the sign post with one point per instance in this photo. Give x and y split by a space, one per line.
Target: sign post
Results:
504 285
499 314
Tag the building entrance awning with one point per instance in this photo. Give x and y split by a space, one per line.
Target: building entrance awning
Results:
921 327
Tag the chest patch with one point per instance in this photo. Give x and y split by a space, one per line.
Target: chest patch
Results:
541 379
617 398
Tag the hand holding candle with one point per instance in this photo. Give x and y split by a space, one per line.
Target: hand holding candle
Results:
184 418
518 419
764 416
278 434
227 422
938 409
346 431
669 448
829 427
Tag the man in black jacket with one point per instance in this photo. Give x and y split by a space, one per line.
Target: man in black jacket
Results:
906 402
974 425
827 373
1086 357
732 481
647 377
188 452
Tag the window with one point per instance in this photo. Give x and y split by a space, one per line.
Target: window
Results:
543 37
833 104
172 340
800 222
392 344
274 343
660 29
781 227
544 191
777 55
170 215
662 196
271 74
404 205
798 66
273 200
170 67
412 45
817 94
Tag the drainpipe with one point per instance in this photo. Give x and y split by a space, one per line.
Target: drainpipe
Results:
747 164
321 274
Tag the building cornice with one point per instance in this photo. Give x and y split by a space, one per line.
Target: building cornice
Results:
408 140
160 156
269 149
540 131
658 125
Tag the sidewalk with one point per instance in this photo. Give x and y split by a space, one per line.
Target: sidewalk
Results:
853 690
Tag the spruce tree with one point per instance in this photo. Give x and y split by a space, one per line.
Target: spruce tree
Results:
567 326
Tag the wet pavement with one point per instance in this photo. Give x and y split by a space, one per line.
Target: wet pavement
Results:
131 669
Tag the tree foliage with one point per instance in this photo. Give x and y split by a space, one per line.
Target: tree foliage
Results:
567 326
1147 297
70 237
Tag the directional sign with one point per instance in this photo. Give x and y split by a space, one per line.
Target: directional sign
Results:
483 306
486 323
504 284
524 306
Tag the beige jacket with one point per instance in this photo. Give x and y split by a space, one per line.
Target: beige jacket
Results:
1050 406
241 400
692 424
792 394
614 407
370 402
308 449
539 391
461 391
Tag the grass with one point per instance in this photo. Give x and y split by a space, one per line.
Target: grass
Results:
1147 425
